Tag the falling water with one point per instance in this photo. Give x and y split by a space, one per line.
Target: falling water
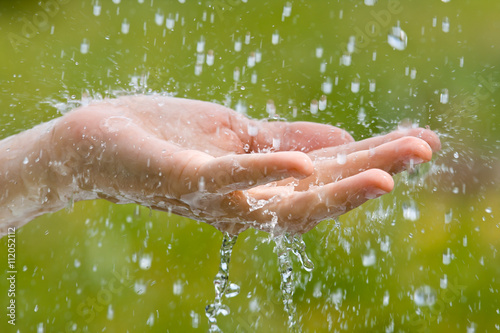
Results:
284 244
221 284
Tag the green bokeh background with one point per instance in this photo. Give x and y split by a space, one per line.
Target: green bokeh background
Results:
67 259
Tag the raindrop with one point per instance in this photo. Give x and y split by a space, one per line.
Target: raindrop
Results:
145 261
424 296
275 38
411 211
139 287
448 216
326 87
116 1
461 62
471 328
443 98
319 52
397 38
110 314
270 108
258 56
177 287
77 263
200 45
385 301
237 45
370 2
369 259
198 68
170 22
200 58
322 103
314 106
443 283
253 78
346 59
236 74
322 67
361 115
351 45
248 36
413 73
372 85
210 58
159 17
84 47
251 60
385 245
355 85
287 9
125 26
445 26
447 257
97 8
151 320
241 107
195 319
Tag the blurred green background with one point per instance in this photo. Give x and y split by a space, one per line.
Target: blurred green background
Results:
422 259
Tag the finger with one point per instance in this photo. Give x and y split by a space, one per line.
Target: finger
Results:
301 211
239 172
427 135
392 157
286 136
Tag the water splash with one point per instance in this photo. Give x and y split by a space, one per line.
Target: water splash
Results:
221 284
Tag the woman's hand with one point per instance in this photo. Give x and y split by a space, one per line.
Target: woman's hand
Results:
209 163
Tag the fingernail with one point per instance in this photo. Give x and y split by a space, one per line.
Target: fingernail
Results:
374 193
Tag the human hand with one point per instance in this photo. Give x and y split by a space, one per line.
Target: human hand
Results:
209 163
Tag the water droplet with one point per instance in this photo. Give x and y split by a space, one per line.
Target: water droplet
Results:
195 319
258 56
443 98
177 287
200 45
319 52
372 85
125 27
198 68
253 78
170 22
443 283
445 26
327 86
370 2
287 9
413 73
270 108
322 103
351 45
341 158
448 216
397 38
322 67
210 58
139 287
237 45
248 37
346 59
355 85
369 259
251 60
236 74
77 263
275 38
25 161
145 261
385 301
116 1
84 47
159 17
314 106
447 257
411 211
97 8
424 296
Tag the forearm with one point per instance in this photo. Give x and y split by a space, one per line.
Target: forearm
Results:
29 183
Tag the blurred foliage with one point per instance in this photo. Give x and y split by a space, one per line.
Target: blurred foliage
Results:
91 253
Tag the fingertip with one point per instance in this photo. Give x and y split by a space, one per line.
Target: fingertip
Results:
296 163
377 182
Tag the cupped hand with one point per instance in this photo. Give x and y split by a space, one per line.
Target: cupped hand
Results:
207 162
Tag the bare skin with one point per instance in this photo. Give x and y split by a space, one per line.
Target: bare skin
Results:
203 161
